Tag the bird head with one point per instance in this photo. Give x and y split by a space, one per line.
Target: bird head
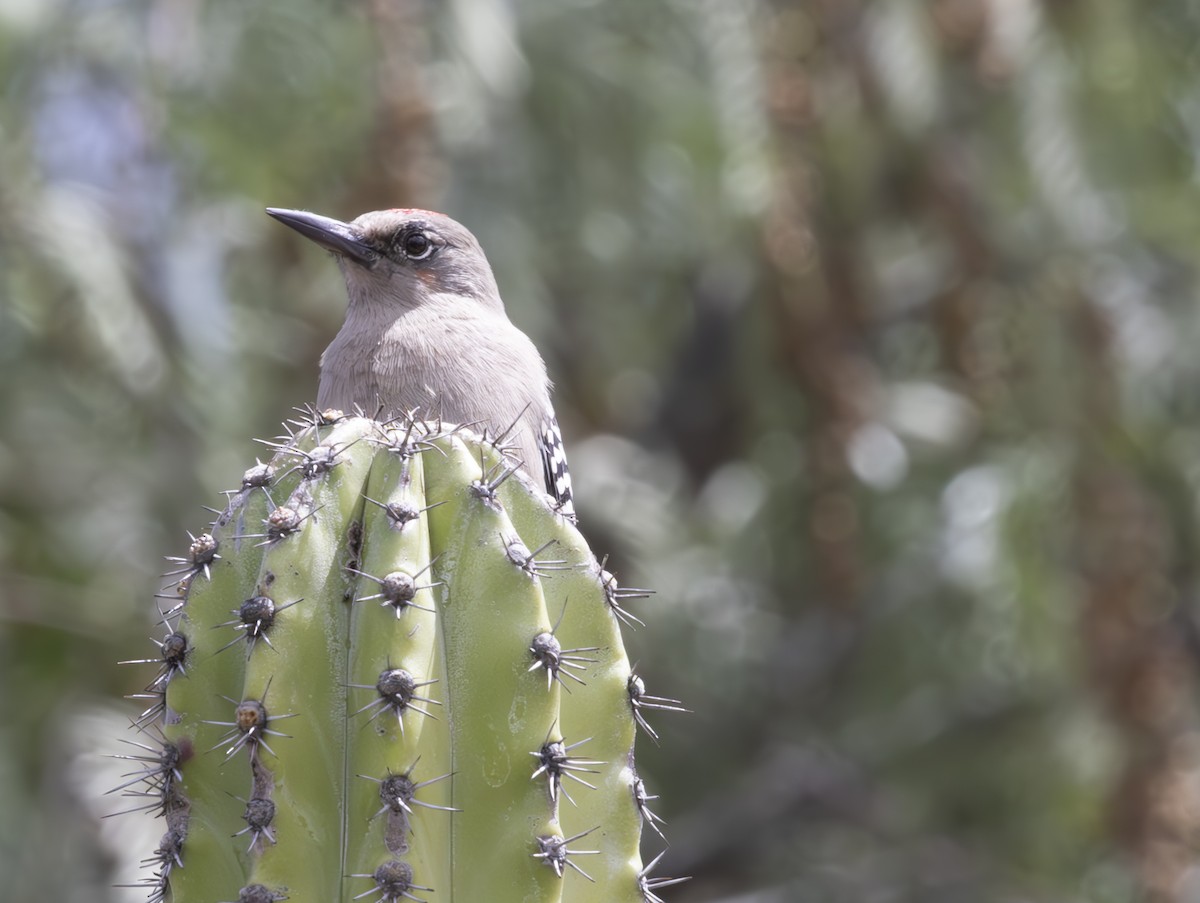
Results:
402 257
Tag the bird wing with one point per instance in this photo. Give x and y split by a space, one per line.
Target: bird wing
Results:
554 465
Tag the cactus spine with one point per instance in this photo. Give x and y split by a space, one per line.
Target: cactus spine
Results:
393 672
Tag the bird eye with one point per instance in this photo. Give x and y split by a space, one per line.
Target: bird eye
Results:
417 246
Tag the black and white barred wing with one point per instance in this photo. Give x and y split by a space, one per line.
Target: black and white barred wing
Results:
554 465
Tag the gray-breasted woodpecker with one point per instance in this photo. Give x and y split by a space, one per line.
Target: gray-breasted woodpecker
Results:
426 331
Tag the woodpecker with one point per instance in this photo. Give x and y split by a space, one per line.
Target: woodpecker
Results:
426 330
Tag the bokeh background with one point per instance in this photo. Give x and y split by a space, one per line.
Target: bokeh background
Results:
875 331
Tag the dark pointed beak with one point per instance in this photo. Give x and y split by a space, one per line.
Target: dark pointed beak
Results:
331 234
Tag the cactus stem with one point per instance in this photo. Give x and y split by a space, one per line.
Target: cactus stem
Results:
479 626
553 851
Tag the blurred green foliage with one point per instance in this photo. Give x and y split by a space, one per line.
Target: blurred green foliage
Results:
873 329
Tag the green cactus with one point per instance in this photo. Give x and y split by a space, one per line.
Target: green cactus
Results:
392 671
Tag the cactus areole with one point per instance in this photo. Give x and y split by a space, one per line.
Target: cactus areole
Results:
393 671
